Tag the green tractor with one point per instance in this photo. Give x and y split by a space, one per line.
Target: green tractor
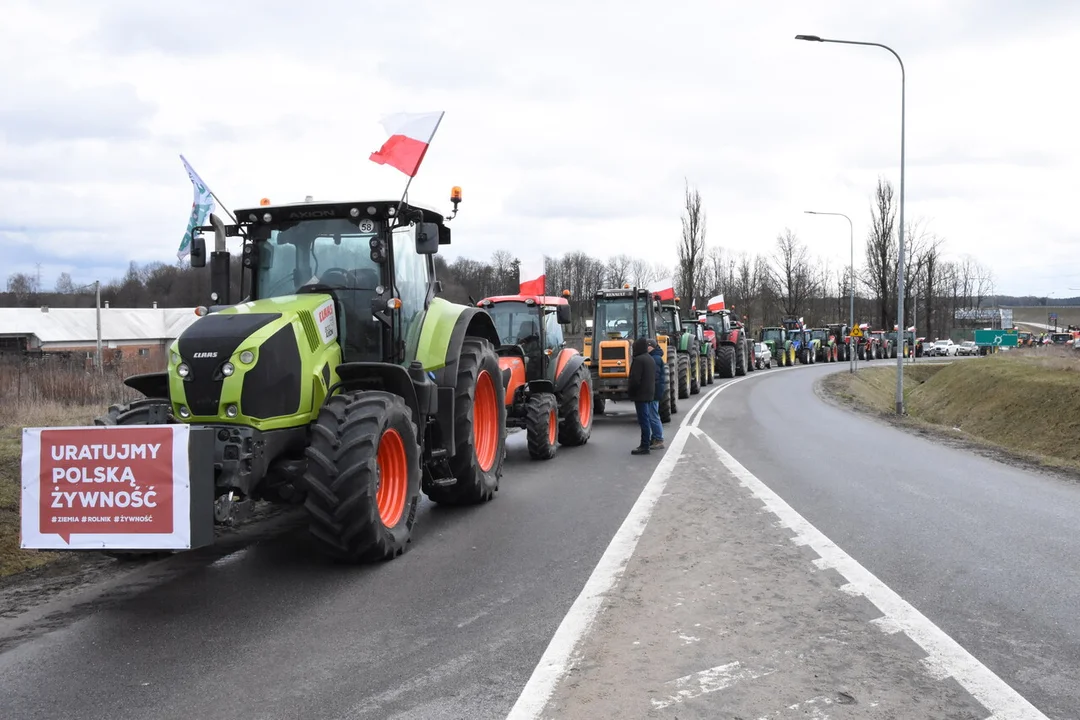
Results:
779 344
340 382
706 352
690 373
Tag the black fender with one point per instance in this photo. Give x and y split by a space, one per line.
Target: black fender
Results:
568 371
381 376
539 386
472 321
152 385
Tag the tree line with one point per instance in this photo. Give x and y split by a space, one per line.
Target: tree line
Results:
764 287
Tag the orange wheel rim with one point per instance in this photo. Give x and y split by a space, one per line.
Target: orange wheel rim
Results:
553 426
393 477
584 405
485 421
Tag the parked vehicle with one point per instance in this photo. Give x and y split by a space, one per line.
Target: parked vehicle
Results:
968 347
942 348
763 354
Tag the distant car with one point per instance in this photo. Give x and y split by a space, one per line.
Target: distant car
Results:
943 348
968 347
762 355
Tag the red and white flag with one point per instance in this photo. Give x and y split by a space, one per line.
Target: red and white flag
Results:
410 136
663 289
531 277
716 302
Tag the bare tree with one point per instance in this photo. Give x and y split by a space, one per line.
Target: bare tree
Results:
619 270
882 251
794 273
691 269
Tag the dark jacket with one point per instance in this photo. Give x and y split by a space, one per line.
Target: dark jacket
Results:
642 373
658 356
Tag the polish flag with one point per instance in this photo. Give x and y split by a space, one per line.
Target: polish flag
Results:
663 289
410 136
716 302
531 277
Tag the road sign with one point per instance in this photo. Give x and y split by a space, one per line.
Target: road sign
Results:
856 331
988 338
1053 316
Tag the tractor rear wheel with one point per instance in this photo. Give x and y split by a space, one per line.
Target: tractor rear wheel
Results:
725 361
479 428
742 359
664 406
541 425
576 409
684 375
695 374
363 476
673 395
710 368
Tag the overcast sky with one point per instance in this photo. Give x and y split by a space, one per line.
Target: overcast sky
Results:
570 125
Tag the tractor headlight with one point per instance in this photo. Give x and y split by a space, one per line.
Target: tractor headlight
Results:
231 411
227 369
175 358
247 357
184 412
183 370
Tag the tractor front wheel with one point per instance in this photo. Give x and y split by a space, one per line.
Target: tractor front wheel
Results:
672 393
363 476
541 425
479 428
710 368
742 359
576 409
695 374
684 375
599 405
664 406
725 361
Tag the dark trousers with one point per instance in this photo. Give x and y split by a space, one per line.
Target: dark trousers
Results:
643 420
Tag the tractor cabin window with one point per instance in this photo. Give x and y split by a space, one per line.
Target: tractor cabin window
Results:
411 282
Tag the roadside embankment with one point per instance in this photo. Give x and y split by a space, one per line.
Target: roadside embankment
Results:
1022 402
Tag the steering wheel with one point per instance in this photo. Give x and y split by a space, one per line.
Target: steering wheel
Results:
347 278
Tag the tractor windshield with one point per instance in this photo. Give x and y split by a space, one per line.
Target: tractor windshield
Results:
615 318
515 322
719 324
669 322
772 334
327 252
819 334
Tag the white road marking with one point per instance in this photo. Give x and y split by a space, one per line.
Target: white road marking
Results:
708 681
945 655
557 658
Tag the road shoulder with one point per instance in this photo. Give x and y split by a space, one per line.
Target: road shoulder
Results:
719 611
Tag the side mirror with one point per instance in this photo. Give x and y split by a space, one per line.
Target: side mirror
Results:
562 314
198 252
427 238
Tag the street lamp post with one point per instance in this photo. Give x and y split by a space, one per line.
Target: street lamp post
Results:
851 227
900 254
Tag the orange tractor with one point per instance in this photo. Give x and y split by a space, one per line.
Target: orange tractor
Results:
549 390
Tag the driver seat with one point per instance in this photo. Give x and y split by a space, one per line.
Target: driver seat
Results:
363 334
528 338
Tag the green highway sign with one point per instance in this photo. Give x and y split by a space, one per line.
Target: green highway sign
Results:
996 337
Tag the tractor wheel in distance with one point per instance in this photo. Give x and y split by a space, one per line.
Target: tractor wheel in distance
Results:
683 365
695 374
136 413
673 395
541 425
599 405
725 359
710 369
791 356
363 477
576 409
479 427
664 406
742 359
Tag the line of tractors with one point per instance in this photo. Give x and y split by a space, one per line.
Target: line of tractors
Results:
793 342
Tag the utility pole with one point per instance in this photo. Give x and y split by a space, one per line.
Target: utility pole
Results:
97 305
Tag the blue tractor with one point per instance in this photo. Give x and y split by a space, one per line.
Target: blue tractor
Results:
804 346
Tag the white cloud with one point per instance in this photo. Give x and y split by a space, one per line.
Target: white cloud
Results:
570 125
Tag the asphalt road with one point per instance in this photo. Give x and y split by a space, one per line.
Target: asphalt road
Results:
987 551
451 629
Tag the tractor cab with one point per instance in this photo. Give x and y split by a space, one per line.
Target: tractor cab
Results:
822 334
532 323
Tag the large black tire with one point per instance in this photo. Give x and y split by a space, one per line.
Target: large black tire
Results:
683 369
710 368
599 405
673 395
476 481
541 425
664 406
576 409
725 361
360 441
696 381
742 359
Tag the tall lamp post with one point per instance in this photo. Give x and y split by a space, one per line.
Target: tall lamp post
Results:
900 254
851 274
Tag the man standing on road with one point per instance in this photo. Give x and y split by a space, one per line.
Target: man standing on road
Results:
657 354
641 387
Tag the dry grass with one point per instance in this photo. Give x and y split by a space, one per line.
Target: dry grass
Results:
1024 402
13 418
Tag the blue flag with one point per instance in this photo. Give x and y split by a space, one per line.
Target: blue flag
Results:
201 208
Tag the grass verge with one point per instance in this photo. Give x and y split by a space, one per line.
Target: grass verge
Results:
1021 404
13 559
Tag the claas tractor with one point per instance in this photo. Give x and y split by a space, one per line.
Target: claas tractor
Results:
733 351
620 316
842 333
549 393
706 349
826 349
687 353
896 340
780 345
803 346
340 381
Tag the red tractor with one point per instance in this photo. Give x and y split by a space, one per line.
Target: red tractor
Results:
734 350
549 391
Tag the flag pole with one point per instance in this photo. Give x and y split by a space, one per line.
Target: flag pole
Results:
408 182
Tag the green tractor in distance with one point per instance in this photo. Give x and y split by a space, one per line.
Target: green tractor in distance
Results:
827 349
695 327
340 381
779 344
688 353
